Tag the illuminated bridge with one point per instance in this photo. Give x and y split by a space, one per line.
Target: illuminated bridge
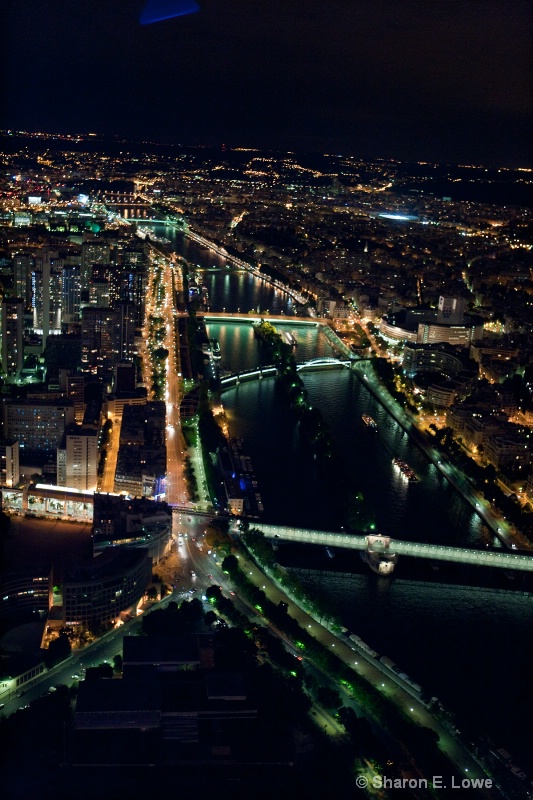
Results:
266 372
382 551
250 318
250 375
322 363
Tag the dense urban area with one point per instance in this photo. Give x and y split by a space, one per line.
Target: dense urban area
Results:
149 614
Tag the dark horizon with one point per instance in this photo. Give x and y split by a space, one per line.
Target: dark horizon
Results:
445 82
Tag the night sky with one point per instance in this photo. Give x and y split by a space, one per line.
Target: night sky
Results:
440 80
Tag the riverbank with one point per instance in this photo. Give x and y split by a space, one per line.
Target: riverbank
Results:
440 637
456 478
368 670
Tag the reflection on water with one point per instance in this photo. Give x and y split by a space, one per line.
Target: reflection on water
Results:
470 648
229 289
461 645
294 490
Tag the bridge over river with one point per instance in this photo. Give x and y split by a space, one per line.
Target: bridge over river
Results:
265 372
382 552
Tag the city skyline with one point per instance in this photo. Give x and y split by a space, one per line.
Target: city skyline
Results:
443 82
198 344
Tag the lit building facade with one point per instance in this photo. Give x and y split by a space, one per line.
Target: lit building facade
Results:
23 265
37 424
71 294
97 593
93 251
9 462
98 348
77 458
12 336
447 325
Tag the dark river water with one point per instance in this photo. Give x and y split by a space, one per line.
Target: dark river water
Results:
470 647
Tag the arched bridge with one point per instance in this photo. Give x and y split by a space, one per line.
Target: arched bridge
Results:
321 363
265 372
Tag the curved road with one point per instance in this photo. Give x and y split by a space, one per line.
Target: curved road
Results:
207 570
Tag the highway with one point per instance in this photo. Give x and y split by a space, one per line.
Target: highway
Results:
176 490
161 304
198 568
206 567
92 655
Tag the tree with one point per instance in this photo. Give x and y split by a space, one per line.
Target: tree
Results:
160 354
192 610
350 720
151 593
58 650
210 618
230 564
234 650
329 698
490 474
216 535
213 593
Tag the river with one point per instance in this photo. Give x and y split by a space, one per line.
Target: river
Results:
469 647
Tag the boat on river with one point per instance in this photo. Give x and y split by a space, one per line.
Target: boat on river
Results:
405 469
215 349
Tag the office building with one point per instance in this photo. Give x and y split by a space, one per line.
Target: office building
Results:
98 339
26 590
448 325
131 281
124 377
12 336
72 384
77 458
142 456
93 251
101 591
125 331
9 462
38 425
450 310
64 348
71 294
47 292
107 337
23 266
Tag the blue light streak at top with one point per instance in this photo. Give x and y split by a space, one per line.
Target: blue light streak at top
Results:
159 10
